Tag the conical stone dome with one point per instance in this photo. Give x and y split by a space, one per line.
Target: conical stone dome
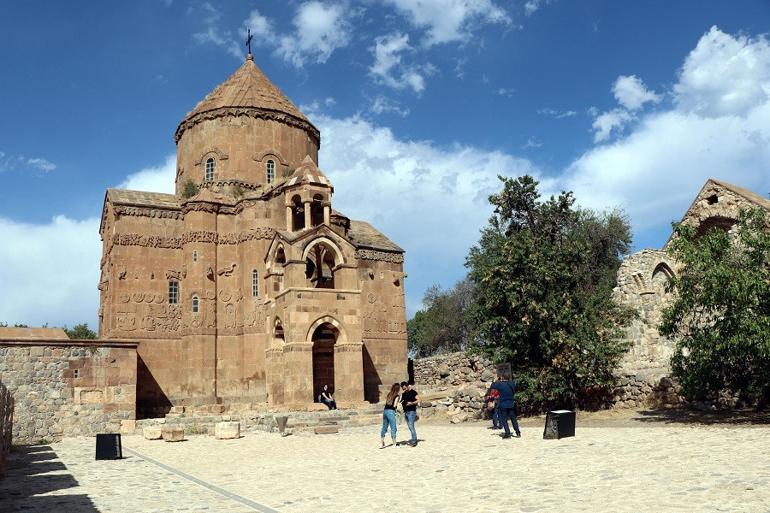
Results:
247 92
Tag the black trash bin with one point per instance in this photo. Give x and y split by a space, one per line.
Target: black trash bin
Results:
559 424
108 447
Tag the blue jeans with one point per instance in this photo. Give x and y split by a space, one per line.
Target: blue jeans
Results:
411 416
496 418
389 419
509 413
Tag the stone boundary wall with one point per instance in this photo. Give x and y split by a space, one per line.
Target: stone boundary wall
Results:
452 370
68 387
454 385
6 421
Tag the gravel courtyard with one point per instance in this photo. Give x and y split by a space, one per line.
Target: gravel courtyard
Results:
615 463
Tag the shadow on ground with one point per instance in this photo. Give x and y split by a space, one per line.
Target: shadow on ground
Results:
682 415
33 470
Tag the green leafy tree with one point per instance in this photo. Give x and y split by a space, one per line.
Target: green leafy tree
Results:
720 318
81 332
543 273
441 326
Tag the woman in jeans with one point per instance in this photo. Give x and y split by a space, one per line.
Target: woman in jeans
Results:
389 414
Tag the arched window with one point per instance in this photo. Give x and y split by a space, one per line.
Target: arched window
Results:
254 283
280 256
317 210
196 304
270 171
210 166
319 266
297 214
173 292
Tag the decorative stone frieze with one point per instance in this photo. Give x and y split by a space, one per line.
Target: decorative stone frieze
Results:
252 112
123 210
383 256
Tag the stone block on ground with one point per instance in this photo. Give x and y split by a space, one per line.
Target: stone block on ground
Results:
326 430
227 430
173 434
127 427
152 432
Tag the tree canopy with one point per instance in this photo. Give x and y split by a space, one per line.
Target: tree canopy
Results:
441 325
720 318
543 274
81 331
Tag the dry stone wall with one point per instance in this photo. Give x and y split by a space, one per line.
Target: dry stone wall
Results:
452 370
454 385
68 388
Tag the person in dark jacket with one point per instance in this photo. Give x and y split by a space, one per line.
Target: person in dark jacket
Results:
506 404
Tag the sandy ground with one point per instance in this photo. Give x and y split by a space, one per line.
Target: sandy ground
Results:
626 462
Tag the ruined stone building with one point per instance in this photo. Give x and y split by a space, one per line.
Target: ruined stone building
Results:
246 286
643 276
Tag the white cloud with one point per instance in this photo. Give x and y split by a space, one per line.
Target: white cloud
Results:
532 142
450 20
320 28
506 91
50 272
631 93
721 131
9 162
430 199
153 179
41 164
605 123
388 68
724 75
384 105
557 114
532 6
66 253
260 27
213 33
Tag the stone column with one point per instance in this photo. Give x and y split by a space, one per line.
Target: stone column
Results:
274 375
288 218
298 374
327 214
307 214
349 372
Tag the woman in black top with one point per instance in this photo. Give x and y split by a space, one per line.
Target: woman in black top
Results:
327 398
389 414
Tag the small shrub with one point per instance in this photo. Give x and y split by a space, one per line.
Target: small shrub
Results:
189 189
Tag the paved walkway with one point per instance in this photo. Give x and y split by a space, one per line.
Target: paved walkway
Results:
660 468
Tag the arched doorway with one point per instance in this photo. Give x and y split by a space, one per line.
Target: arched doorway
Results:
320 265
324 338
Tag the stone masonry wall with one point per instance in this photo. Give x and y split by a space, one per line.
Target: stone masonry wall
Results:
454 385
67 387
6 419
452 369
641 285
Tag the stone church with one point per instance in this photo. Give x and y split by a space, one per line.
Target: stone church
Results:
643 276
246 287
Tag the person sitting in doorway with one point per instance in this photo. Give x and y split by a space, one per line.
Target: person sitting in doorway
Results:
327 398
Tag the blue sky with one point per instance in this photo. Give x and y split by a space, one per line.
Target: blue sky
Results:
421 103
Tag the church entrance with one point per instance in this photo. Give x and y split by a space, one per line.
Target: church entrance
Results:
324 338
